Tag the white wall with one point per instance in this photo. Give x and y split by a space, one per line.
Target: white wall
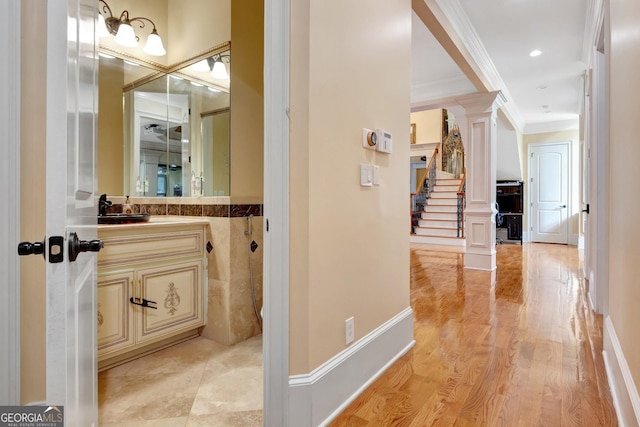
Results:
508 165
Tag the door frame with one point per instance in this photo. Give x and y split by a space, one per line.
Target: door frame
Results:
276 214
276 265
570 182
598 223
10 205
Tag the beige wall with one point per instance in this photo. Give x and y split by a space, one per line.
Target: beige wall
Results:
624 231
574 181
428 126
196 26
110 129
349 252
247 100
32 202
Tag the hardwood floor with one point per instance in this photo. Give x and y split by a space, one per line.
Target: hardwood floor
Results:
521 350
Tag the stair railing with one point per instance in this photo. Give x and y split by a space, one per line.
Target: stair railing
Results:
462 203
423 191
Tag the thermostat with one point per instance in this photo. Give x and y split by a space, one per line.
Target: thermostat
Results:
385 144
370 138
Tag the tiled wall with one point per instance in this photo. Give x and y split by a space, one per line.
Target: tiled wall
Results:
231 317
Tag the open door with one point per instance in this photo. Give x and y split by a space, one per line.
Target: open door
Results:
71 212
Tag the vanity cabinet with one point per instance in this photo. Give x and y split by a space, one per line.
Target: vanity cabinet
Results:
151 288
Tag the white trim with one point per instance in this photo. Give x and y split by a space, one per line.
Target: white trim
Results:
556 126
581 241
623 390
10 205
458 19
574 239
454 85
276 213
318 397
594 20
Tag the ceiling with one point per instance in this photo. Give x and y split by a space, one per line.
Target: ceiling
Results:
544 92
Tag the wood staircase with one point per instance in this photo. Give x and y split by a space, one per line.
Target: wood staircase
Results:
439 221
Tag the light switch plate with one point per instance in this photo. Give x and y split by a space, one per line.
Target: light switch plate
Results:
376 175
366 175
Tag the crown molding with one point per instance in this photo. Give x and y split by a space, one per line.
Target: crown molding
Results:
556 126
593 25
451 86
477 57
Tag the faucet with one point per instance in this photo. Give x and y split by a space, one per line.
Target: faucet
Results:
103 204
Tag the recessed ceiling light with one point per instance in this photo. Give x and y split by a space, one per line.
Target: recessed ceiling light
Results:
535 52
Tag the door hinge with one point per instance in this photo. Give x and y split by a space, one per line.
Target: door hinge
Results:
532 155
267 224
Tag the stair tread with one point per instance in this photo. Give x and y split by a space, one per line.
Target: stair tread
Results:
443 237
437 228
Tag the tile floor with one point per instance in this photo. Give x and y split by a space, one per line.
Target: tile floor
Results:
195 383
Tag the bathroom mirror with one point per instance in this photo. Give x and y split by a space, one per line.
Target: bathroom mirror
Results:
167 132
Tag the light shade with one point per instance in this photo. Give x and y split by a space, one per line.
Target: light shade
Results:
154 44
126 36
201 66
219 71
102 27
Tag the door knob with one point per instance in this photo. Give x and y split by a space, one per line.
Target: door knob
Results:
563 206
76 246
28 248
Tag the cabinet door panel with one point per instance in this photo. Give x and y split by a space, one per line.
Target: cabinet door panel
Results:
115 321
177 291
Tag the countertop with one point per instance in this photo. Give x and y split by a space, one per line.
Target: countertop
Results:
156 221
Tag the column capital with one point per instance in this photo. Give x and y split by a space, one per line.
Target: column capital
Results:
481 103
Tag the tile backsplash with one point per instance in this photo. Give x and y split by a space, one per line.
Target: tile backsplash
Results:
210 209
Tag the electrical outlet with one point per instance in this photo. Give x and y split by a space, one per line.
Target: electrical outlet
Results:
349 331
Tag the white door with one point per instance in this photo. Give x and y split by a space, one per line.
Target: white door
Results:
71 208
549 192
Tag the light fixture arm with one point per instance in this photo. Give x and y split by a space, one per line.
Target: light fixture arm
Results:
128 37
140 20
219 58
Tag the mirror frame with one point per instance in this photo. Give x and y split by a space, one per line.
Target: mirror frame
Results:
162 69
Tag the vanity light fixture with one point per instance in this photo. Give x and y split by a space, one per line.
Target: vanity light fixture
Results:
123 31
219 69
215 64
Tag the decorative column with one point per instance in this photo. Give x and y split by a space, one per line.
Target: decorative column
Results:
480 213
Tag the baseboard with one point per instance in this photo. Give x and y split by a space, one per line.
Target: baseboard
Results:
315 399
581 241
574 240
623 389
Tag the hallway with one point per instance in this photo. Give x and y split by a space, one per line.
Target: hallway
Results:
526 351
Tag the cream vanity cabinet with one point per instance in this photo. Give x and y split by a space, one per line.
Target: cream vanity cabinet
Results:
151 287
